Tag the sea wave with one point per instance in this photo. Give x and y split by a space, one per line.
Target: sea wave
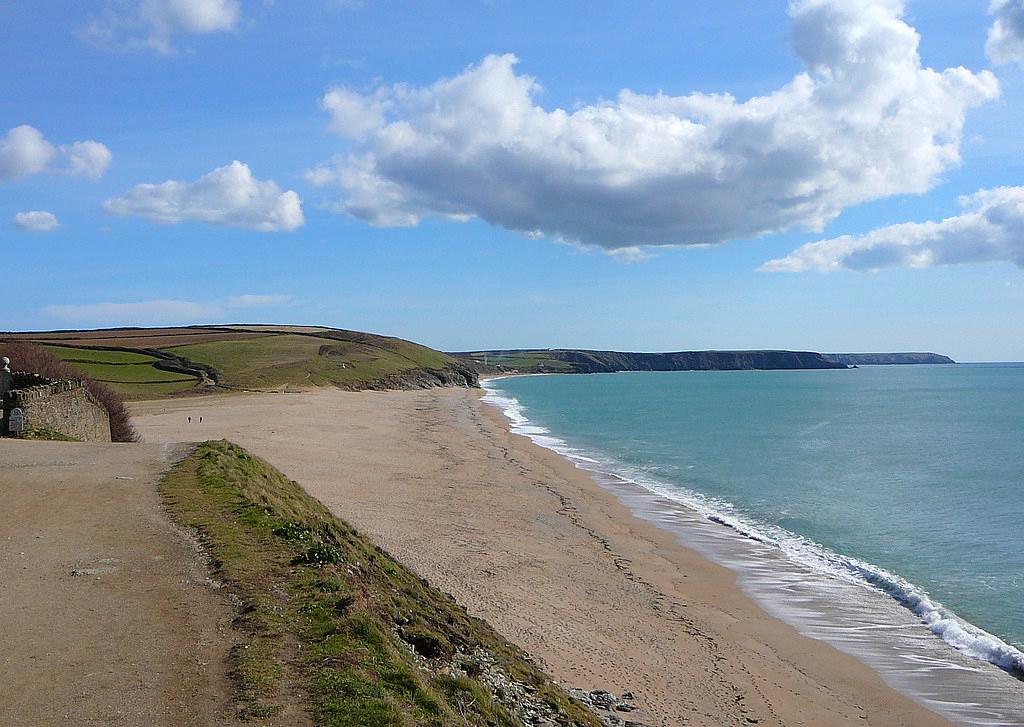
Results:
939 620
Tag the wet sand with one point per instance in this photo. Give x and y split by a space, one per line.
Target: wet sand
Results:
525 540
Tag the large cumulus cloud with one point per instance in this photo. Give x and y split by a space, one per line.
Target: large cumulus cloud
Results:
1006 36
991 229
229 195
864 120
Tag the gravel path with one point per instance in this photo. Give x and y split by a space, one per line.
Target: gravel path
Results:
106 615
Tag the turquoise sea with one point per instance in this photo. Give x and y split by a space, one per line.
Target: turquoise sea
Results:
900 489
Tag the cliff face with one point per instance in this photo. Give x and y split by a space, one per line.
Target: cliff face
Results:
423 378
582 361
873 359
701 360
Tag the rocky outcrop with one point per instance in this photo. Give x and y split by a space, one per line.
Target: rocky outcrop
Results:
425 378
612 710
519 698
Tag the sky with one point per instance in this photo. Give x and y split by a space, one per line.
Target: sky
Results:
828 175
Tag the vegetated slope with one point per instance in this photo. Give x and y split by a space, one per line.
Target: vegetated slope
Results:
134 375
152 362
582 361
329 621
329 357
873 359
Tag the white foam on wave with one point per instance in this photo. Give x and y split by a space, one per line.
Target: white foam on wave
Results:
958 633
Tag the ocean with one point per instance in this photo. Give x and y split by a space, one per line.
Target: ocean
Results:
880 508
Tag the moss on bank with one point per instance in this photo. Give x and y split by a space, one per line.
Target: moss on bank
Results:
328 620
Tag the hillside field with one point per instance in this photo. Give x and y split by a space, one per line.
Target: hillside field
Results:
146 363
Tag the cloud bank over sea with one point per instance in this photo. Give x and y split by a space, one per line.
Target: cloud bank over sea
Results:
991 229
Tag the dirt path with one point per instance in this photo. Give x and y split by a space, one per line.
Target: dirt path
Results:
104 615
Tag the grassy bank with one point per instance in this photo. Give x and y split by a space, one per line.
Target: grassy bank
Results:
329 622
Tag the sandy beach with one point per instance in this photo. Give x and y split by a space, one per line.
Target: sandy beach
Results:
557 564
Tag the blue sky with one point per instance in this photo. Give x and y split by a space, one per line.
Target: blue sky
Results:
469 214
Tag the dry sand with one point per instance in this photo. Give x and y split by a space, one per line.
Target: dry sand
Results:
105 616
525 540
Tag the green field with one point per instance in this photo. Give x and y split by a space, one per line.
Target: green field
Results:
89 355
328 621
248 357
522 361
133 375
297 360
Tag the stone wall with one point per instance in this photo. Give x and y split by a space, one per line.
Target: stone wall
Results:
65 407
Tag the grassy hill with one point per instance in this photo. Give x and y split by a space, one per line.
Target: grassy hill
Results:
143 363
331 623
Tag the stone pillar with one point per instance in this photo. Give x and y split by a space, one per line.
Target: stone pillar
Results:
5 386
5 376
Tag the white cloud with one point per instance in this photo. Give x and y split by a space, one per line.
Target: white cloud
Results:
36 221
991 229
353 114
152 24
321 175
864 121
161 311
257 301
24 151
1006 36
88 158
633 254
146 312
229 195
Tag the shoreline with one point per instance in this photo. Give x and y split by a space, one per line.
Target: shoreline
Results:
869 623
649 507
549 557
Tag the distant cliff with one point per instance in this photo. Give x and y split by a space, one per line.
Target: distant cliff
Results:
878 359
586 362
